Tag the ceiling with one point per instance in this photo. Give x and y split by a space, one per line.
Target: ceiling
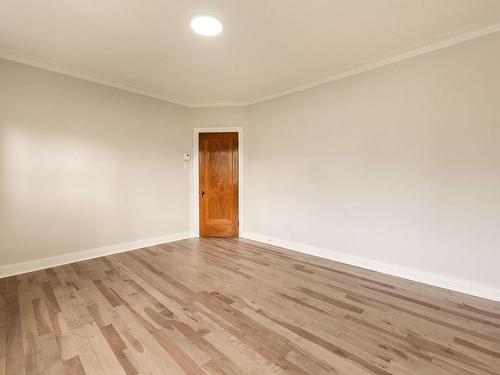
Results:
267 48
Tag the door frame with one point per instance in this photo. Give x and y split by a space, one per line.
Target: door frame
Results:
195 176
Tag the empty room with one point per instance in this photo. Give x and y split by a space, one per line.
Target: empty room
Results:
220 187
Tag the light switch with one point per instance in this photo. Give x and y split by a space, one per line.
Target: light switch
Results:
187 156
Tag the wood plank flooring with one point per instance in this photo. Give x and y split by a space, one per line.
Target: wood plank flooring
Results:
227 306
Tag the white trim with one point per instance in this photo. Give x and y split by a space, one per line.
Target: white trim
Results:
195 209
88 77
58 260
460 37
447 282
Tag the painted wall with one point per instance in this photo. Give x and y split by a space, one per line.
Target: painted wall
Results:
399 165
83 165
218 117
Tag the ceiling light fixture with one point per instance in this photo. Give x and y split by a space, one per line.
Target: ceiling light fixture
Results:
206 25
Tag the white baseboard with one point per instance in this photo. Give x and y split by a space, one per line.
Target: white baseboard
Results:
447 282
39 264
442 281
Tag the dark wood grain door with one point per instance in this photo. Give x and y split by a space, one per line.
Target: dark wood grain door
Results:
218 185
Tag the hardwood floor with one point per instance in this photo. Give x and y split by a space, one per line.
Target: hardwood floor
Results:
223 306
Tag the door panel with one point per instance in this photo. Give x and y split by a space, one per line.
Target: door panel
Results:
218 184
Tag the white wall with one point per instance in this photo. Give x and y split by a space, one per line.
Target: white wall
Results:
399 165
83 165
218 117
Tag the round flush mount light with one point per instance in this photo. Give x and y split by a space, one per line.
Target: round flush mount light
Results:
206 25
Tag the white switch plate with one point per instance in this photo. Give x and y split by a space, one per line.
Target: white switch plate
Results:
187 156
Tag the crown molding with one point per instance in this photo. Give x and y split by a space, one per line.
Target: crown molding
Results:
471 32
219 104
87 77
450 41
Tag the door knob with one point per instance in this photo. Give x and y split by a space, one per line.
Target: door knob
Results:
202 193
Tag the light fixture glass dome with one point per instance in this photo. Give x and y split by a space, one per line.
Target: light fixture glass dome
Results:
206 25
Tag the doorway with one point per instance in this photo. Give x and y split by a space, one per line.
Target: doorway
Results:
218 185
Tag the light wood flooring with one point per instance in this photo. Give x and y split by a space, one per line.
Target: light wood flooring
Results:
226 306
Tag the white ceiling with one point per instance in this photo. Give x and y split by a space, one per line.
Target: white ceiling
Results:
268 47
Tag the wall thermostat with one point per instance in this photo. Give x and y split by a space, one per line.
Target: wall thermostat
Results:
187 156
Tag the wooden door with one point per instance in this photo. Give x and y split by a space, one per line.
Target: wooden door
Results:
218 185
